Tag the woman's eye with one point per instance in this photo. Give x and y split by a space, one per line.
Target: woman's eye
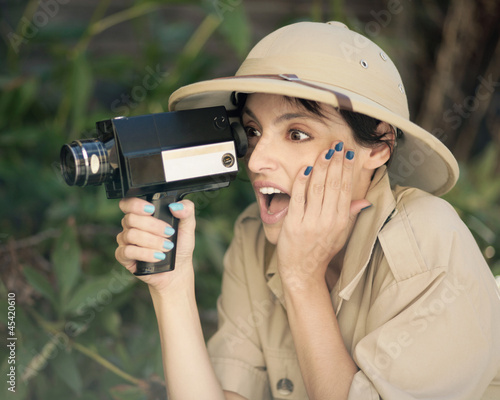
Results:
296 135
252 132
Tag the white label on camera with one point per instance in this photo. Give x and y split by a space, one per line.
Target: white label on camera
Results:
94 164
197 161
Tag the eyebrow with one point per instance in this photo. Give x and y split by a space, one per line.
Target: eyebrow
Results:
285 117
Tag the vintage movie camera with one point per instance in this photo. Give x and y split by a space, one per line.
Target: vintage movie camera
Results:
160 157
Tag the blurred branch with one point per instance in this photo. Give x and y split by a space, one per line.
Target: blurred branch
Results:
94 29
442 81
193 46
96 18
50 328
458 94
85 230
106 364
30 241
101 25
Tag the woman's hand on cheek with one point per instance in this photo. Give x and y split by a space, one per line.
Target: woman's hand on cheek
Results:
319 219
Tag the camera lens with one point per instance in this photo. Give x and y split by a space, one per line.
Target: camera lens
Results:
85 162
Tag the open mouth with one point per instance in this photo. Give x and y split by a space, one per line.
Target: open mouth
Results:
275 200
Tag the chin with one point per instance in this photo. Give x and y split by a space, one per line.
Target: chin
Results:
272 233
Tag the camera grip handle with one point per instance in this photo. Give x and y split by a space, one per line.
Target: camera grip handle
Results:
161 202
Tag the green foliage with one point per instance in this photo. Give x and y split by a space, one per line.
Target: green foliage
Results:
85 326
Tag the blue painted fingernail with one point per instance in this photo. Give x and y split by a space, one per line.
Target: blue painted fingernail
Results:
308 170
364 208
339 146
169 231
168 245
150 209
176 206
349 155
329 154
159 255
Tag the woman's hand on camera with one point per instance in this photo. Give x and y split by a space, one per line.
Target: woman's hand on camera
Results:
146 238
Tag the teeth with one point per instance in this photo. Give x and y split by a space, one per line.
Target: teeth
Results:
269 190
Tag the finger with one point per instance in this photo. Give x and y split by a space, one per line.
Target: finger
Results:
333 182
345 195
184 211
130 254
136 205
316 187
144 239
298 195
148 224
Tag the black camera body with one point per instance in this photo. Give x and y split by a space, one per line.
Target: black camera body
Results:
161 157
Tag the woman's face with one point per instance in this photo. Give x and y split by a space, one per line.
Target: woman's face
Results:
284 138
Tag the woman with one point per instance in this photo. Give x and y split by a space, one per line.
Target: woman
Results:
348 279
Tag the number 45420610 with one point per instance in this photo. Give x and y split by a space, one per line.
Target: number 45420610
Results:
11 313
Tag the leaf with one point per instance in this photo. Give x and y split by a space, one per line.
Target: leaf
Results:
27 96
111 322
97 293
66 261
65 367
40 284
234 27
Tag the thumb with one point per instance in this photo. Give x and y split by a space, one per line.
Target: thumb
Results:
359 205
184 211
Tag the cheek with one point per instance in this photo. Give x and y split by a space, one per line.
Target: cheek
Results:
293 166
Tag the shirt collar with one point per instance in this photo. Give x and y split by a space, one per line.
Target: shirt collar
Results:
360 246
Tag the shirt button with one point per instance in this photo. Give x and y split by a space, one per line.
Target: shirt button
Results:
285 387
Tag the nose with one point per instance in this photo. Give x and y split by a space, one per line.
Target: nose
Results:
263 157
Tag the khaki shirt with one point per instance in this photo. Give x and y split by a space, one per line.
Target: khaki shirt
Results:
417 305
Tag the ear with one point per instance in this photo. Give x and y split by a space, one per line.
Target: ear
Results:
379 154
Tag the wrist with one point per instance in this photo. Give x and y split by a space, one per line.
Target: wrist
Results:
175 290
297 284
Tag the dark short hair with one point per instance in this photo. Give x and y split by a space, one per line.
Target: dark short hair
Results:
363 126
